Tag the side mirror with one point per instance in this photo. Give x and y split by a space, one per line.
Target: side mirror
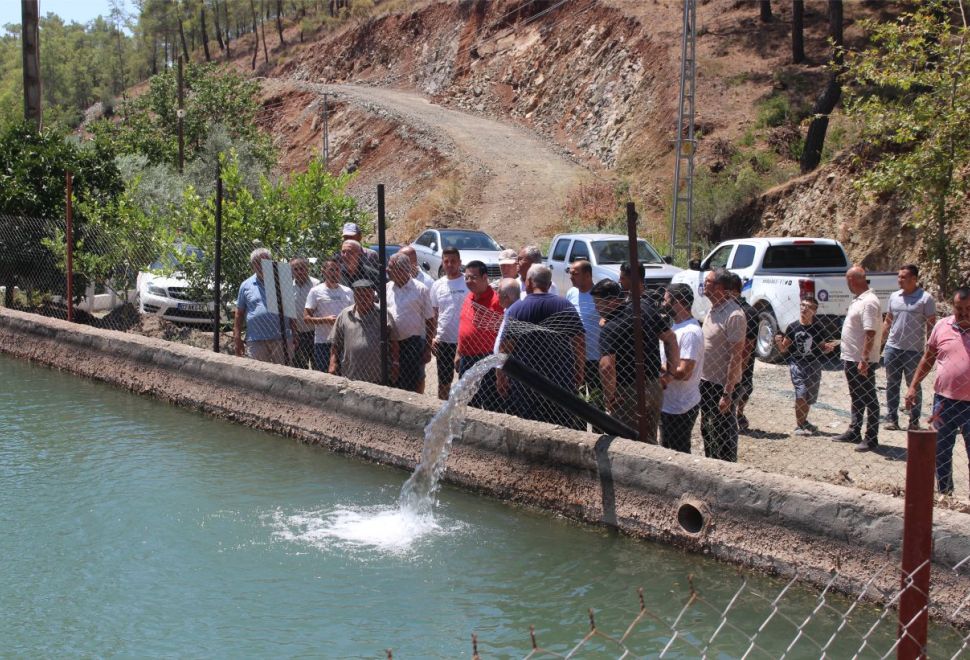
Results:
694 264
668 259
426 266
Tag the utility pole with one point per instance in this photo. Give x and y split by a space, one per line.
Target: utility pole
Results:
326 131
180 115
682 209
30 43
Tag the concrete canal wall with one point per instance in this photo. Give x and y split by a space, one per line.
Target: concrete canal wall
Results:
777 524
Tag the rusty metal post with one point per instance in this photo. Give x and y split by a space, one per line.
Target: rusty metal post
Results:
636 288
917 544
382 286
69 239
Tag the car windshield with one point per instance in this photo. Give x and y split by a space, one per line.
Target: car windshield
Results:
804 256
173 261
468 240
616 251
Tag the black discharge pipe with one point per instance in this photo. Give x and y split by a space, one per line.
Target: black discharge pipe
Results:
563 397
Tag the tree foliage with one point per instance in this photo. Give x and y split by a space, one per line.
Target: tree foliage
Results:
911 92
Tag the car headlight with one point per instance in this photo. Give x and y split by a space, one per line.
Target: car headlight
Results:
157 291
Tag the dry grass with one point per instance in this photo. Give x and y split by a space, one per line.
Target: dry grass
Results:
441 207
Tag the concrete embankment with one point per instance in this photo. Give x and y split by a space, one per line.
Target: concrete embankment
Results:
781 525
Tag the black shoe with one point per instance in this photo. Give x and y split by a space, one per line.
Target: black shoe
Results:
848 436
866 446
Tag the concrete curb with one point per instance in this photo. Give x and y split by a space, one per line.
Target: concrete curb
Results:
776 523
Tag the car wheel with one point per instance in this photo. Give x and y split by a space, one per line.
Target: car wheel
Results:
764 346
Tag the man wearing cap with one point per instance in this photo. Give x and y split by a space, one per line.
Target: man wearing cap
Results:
508 264
354 265
352 232
409 304
356 341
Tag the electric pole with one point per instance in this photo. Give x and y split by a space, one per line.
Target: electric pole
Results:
180 116
326 132
30 42
683 202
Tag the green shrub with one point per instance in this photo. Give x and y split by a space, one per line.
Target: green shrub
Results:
774 111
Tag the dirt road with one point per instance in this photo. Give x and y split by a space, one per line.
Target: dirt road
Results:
515 182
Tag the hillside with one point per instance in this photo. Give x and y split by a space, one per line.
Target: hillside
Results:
586 91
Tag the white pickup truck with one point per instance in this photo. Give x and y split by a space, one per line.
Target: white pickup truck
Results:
776 273
605 253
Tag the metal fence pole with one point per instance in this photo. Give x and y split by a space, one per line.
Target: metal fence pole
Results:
917 544
69 206
382 286
636 288
180 114
217 284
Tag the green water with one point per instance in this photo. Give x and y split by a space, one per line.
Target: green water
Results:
131 528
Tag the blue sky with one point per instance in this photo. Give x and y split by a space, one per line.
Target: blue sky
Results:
80 11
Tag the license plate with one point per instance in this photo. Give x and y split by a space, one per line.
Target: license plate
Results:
193 307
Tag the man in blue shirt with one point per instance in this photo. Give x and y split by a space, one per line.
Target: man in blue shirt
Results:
581 275
263 341
543 331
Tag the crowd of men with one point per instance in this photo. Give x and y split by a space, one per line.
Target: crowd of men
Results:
583 342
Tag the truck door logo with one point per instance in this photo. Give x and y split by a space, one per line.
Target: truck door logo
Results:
823 295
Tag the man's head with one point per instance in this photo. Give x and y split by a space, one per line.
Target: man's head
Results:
508 263
538 279
363 295
331 272
528 256
476 277
509 291
256 258
581 275
807 308
734 288
908 278
625 270
961 307
399 269
351 252
855 278
301 270
679 298
451 262
352 231
717 285
412 256
608 297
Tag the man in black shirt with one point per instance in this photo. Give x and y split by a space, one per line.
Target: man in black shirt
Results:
746 385
618 355
805 341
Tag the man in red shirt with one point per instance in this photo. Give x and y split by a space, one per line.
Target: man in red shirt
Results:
478 325
949 349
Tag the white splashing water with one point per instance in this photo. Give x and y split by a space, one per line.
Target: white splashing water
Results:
418 492
396 529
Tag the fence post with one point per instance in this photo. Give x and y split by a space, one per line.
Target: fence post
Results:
636 287
217 326
382 286
69 206
180 114
917 544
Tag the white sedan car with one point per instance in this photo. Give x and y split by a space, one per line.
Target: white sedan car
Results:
167 295
473 246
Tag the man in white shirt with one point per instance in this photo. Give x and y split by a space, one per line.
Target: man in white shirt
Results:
302 283
324 302
682 394
581 276
861 333
409 305
528 256
417 273
447 296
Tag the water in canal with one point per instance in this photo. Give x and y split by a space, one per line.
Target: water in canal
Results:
129 527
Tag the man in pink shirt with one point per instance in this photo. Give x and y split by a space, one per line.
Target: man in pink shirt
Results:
949 348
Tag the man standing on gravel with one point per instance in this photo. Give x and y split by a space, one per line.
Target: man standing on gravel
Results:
263 340
355 351
860 354
478 326
324 302
447 296
746 385
528 257
723 355
681 381
949 349
409 304
908 322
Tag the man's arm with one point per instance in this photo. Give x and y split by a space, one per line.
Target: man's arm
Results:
608 380
887 323
735 367
336 348
867 344
237 325
930 324
579 357
672 352
925 365
430 329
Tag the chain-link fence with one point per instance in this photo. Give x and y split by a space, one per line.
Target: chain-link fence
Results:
782 388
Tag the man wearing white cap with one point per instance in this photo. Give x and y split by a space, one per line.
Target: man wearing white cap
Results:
352 232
